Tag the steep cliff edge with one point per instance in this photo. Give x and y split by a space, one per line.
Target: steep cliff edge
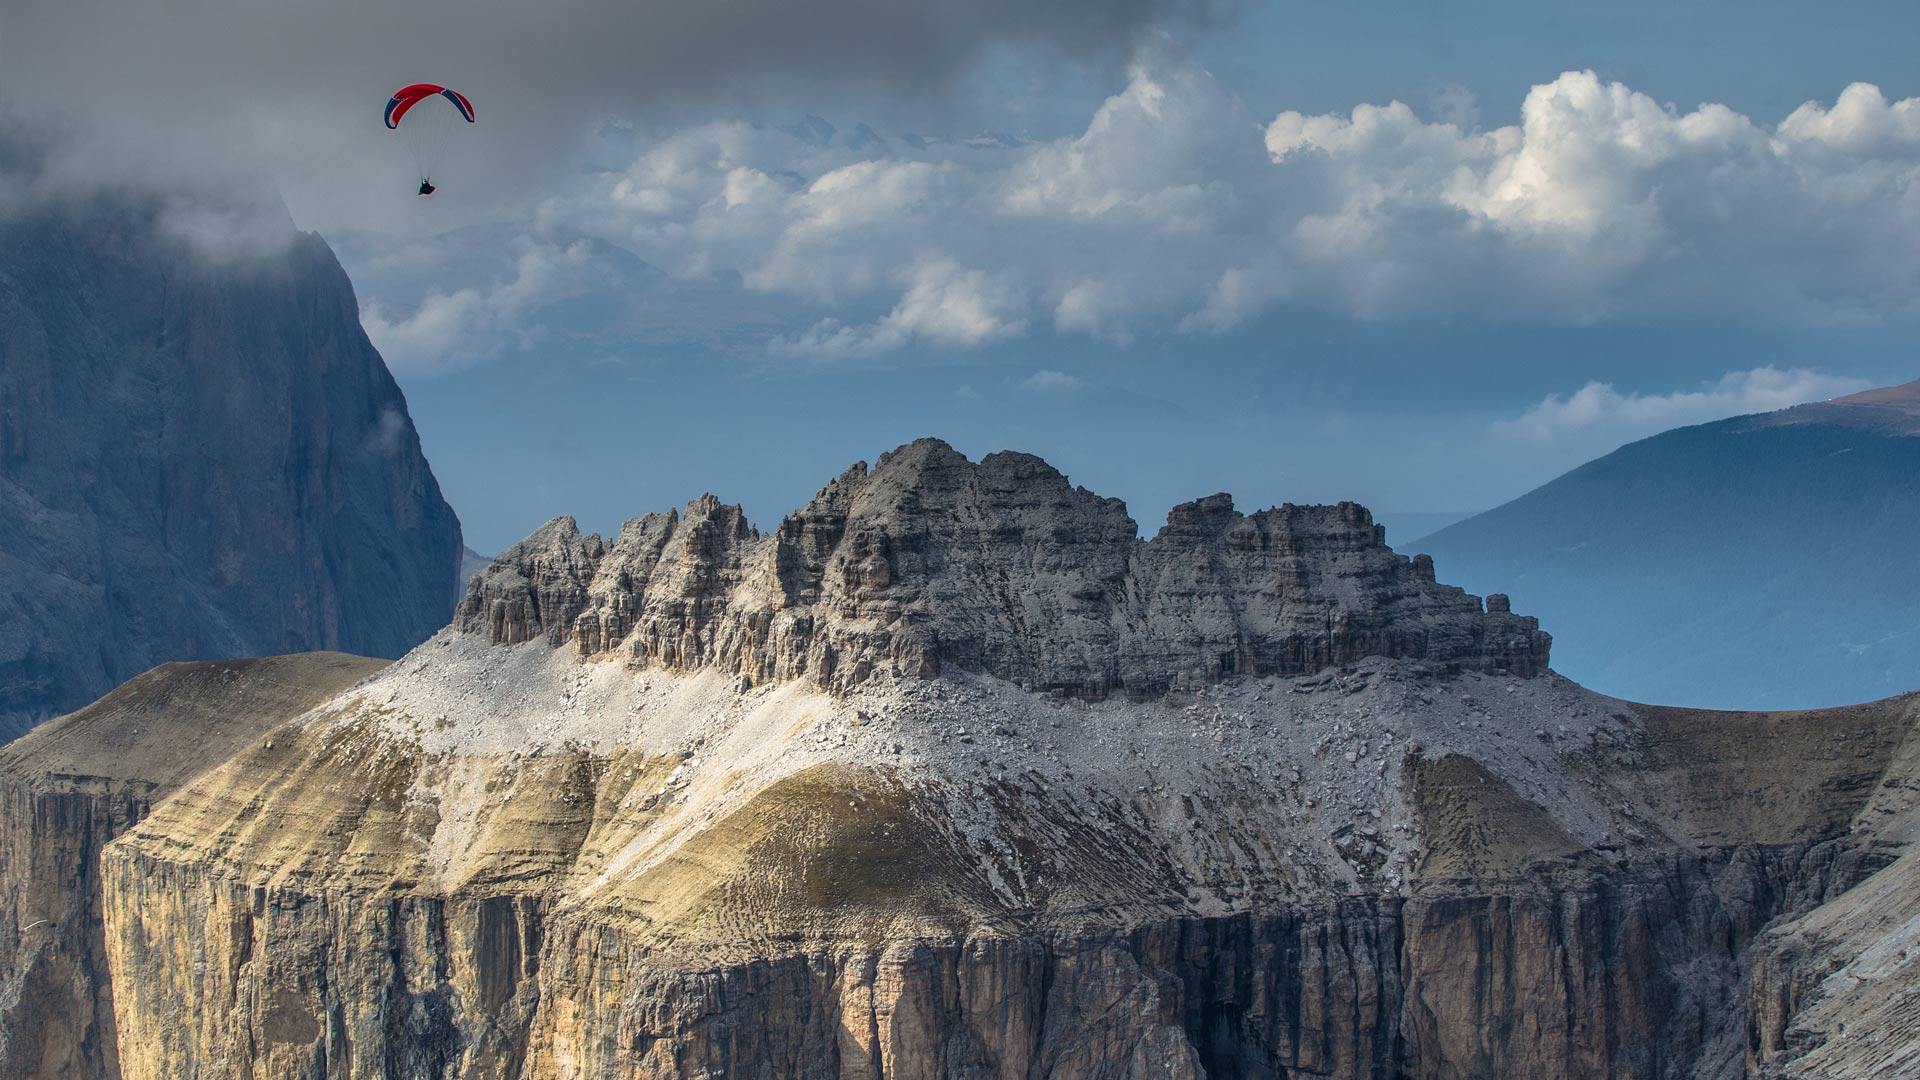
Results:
70 786
201 456
951 776
1836 990
766 899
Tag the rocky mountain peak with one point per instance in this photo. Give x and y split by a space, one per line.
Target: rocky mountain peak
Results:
201 456
929 561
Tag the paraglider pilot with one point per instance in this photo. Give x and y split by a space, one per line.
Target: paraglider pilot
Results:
426 187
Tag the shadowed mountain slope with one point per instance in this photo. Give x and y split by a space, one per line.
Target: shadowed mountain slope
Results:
201 456
1764 561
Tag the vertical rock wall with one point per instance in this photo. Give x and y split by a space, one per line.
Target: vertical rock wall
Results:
70 787
1637 975
201 457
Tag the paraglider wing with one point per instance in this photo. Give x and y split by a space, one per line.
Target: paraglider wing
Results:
425 133
407 97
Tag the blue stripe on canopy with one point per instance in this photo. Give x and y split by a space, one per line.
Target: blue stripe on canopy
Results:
459 103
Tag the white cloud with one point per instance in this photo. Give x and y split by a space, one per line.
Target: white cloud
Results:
1048 381
1861 121
388 434
230 231
1597 411
1603 203
1175 211
448 330
946 306
1103 233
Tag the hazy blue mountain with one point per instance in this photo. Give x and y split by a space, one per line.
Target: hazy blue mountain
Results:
201 456
1761 561
1412 526
471 563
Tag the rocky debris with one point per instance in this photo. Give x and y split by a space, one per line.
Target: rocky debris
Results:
1835 991
1350 733
552 865
932 562
201 457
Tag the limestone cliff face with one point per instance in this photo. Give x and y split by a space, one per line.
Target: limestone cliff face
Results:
624 912
1835 991
950 776
1002 567
68 788
201 457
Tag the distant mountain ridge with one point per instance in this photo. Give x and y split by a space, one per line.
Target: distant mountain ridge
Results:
1762 561
201 457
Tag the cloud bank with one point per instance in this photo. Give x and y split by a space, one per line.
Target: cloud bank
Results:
1175 211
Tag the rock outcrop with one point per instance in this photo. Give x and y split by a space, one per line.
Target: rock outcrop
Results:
895 792
1003 567
201 457
69 787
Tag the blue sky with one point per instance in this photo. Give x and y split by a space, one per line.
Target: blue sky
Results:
1422 255
1763 57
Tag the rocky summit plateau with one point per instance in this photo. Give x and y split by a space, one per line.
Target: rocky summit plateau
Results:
953 775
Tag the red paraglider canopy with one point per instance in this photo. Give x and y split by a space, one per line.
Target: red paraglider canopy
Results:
407 97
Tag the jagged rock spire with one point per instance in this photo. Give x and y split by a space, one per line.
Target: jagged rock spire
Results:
930 560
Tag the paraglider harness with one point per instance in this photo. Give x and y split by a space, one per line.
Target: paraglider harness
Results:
426 186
